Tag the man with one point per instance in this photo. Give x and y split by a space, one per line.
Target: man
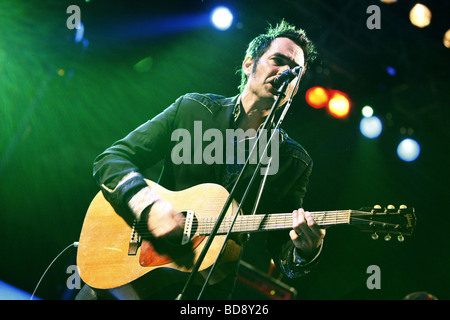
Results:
118 170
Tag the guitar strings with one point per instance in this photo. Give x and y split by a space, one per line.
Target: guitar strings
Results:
204 225
281 221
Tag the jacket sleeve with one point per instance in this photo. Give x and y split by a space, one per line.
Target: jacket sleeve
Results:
118 169
279 244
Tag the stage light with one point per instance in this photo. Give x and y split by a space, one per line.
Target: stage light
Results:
79 34
221 18
339 104
9 292
370 127
367 111
388 1
420 16
408 150
317 97
391 71
447 39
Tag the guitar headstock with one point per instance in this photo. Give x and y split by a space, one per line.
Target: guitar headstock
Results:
388 221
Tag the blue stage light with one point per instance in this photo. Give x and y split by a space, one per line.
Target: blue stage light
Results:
221 18
79 34
408 150
391 71
9 292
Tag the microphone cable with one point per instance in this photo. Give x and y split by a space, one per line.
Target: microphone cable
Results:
75 244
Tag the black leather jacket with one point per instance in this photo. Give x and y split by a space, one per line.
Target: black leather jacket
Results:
151 142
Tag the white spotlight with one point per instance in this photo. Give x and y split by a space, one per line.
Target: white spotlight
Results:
221 18
408 150
370 127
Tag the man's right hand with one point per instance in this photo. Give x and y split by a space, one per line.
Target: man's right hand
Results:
165 222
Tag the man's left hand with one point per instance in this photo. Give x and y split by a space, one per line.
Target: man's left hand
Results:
306 234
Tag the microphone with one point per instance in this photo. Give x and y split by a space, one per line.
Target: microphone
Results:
287 75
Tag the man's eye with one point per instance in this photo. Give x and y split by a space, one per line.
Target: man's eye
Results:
277 61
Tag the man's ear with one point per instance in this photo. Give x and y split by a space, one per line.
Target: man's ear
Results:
247 65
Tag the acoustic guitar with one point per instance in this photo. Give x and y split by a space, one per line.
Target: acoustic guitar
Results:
112 253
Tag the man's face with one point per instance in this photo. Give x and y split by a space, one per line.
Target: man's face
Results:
283 54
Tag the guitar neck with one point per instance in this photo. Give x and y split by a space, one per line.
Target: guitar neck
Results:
267 222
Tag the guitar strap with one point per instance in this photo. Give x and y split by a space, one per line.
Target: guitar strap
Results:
268 126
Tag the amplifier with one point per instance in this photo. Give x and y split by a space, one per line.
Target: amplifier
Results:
252 284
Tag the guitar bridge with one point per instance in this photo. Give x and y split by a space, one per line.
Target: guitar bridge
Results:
135 241
188 227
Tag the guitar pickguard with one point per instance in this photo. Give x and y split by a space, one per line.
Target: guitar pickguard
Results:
156 254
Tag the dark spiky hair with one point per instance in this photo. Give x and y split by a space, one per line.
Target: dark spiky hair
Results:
259 45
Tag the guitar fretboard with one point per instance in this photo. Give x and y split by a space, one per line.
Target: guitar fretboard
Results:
267 222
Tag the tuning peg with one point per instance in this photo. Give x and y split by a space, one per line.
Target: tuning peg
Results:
400 238
377 207
403 207
374 236
387 237
391 207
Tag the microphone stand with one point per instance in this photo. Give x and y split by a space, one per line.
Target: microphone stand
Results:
268 123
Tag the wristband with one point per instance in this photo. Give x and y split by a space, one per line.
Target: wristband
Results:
297 259
145 198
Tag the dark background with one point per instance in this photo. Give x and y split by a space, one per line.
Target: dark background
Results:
63 102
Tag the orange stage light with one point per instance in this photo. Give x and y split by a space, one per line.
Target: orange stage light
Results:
317 97
339 104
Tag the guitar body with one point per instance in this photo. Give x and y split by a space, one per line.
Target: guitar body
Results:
104 261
